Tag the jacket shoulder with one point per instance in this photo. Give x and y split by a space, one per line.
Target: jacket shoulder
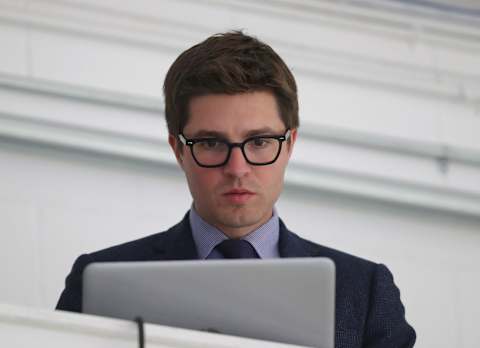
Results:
129 251
137 250
340 258
368 305
141 249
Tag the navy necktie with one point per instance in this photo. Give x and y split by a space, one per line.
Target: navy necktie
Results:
237 249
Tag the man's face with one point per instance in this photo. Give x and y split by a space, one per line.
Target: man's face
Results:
238 197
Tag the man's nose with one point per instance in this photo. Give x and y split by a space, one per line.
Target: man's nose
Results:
237 165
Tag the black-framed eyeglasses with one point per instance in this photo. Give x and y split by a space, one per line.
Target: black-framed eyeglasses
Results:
258 150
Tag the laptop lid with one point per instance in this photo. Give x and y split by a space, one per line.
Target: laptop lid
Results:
283 300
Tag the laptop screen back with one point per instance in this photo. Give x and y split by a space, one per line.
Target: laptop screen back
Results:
283 300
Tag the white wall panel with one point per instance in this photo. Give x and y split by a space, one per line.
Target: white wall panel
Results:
468 310
465 178
18 253
440 328
15 53
369 162
74 111
461 129
82 61
455 59
372 110
196 14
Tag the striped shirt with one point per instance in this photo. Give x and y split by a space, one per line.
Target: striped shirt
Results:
264 239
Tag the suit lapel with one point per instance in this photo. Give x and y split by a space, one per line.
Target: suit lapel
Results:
290 245
177 243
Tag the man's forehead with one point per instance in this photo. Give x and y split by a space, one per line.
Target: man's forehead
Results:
237 115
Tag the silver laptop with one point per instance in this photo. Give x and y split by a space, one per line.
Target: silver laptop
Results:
282 300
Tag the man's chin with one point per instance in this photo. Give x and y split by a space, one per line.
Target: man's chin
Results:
242 217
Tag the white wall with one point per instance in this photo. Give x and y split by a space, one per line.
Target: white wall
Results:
386 167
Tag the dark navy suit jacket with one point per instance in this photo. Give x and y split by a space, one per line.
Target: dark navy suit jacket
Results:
368 309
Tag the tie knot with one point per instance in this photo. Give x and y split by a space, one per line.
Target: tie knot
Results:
237 249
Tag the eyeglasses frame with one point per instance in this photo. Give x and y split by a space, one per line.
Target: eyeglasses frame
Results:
191 142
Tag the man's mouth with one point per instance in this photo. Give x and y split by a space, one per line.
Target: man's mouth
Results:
238 196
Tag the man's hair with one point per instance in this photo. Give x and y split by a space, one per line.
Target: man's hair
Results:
228 63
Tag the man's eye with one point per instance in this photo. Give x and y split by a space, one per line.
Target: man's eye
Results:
211 144
260 142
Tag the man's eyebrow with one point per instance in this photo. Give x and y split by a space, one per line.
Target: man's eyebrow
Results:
204 133
261 131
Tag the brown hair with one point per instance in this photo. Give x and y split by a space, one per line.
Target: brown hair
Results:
228 63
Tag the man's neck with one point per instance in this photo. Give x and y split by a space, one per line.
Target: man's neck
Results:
235 232
238 232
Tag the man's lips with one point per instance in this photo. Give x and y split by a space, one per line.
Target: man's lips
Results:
238 196
238 192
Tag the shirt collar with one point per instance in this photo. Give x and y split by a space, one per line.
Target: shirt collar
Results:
264 239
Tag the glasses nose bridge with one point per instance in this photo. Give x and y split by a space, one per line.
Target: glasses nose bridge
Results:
240 146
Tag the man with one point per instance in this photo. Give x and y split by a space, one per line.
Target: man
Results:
232 115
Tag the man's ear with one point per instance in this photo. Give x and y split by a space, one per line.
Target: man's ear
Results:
177 148
291 141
